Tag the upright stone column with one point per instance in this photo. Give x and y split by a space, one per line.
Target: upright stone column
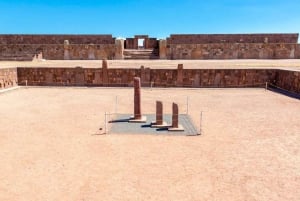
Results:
91 52
162 49
159 112
104 72
66 50
137 116
119 53
159 116
143 75
175 115
175 119
137 98
180 75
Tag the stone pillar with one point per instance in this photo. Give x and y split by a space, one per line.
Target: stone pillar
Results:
137 116
66 50
104 72
143 75
159 113
180 75
196 81
119 53
163 49
159 123
175 119
91 52
175 115
137 98
79 76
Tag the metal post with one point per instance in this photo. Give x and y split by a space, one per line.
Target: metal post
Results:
187 105
200 131
105 125
266 86
116 106
26 82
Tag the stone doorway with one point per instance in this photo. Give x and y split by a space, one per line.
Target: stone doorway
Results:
141 43
141 47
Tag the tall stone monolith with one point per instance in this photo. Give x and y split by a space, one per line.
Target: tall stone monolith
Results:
159 123
137 98
137 116
175 119
175 115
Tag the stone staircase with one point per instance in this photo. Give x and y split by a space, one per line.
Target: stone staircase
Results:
17 57
141 54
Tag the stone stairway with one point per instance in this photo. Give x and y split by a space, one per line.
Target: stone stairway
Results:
141 54
17 57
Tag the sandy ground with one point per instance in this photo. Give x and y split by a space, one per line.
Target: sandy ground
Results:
50 147
293 64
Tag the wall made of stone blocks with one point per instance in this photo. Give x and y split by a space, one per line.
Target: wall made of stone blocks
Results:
231 38
8 78
8 39
25 52
288 80
233 51
89 52
149 77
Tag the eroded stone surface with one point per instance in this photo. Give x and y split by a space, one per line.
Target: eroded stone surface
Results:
137 98
159 113
178 46
175 115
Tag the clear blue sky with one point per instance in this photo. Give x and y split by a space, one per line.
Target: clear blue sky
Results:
157 18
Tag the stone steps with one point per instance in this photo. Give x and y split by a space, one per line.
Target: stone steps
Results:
16 57
141 54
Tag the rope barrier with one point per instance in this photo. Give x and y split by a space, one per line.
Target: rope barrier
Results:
143 84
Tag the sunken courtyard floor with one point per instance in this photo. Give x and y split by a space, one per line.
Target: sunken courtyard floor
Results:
52 146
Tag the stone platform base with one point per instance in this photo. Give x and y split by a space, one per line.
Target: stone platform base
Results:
180 128
121 125
141 120
154 125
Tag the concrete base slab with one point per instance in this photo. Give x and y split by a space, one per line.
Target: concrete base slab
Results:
143 119
154 125
121 125
180 128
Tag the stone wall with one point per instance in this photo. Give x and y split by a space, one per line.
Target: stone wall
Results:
8 78
57 47
25 52
186 46
158 77
288 80
180 77
233 51
86 52
231 38
149 43
8 39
